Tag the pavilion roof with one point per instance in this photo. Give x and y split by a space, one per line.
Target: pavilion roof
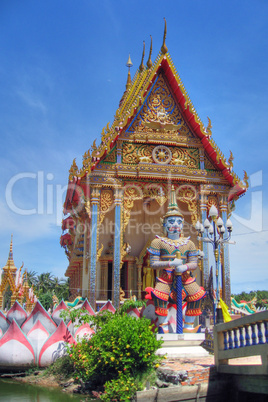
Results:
132 100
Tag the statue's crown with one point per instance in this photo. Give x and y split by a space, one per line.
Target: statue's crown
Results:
173 209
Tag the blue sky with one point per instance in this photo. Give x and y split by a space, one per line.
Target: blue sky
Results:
62 74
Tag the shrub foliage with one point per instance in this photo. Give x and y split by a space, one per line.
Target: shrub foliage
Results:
117 355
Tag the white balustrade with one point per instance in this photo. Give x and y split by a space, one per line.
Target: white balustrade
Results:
244 337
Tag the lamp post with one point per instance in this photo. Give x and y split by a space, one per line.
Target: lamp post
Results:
214 236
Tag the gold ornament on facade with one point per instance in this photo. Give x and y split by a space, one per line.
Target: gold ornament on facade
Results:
160 112
162 155
125 249
73 172
99 252
86 161
148 276
208 164
208 128
87 206
212 200
185 157
111 157
94 146
132 153
130 195
122 295
106 200
161 197
245 179
188 195
230 161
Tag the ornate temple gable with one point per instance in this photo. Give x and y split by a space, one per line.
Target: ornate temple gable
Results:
160 118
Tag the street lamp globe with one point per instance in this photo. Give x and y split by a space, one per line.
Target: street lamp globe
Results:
206 224
210 230
229 225
219 222
213 212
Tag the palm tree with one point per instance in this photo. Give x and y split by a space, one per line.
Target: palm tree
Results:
32 278
61 288
45 282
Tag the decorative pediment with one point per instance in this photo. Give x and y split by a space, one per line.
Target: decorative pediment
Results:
160 113
133 153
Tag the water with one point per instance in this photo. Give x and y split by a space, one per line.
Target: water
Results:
12 391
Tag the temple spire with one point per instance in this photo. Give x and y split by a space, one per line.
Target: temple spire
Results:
149 62
129 65
164 48
141 68
10 262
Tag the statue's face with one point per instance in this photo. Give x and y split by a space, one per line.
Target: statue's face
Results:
173 225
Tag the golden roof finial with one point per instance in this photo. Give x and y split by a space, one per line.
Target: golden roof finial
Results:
129 65
11 248
149 62
129 62
164 48
141 68
10 262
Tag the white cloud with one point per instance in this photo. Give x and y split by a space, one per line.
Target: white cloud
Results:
32 100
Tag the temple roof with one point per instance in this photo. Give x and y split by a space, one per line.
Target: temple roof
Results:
133 100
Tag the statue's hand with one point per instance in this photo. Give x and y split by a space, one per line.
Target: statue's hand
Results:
175 263
181 268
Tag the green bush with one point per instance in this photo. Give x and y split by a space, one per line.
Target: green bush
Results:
131 304
63 367
124 345
122 388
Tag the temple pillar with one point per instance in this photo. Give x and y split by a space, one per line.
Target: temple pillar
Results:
95 199
85 275
225 261
203 210
103 278
117 247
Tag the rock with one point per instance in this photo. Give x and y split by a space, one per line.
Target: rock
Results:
67 384
171 376
161 384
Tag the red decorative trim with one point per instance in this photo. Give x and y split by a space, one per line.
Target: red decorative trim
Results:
161 311
197 296
193 312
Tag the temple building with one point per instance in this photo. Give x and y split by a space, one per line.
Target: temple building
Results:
14 285
114 202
